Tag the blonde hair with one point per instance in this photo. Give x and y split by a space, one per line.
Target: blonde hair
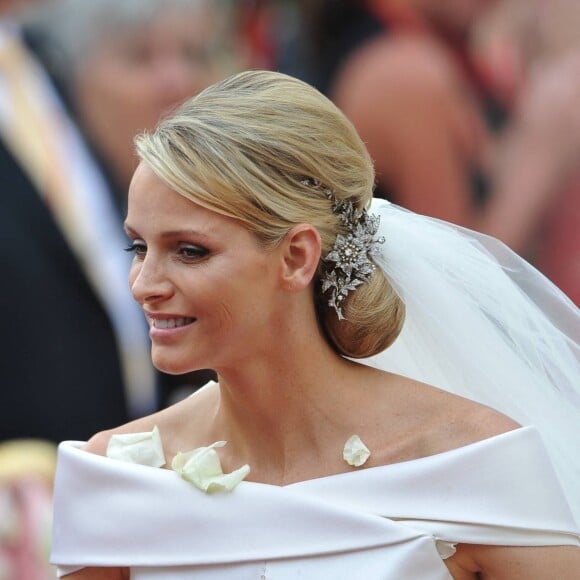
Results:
263 147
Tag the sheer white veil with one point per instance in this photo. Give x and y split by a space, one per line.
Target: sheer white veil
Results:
484 324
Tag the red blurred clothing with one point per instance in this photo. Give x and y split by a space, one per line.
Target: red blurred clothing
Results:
558 251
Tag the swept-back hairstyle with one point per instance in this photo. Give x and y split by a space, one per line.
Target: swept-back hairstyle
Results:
263 148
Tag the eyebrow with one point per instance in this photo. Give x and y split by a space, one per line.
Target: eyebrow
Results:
170 234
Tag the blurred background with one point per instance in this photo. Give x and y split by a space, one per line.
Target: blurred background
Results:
470 109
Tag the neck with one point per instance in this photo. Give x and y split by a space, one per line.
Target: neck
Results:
272 411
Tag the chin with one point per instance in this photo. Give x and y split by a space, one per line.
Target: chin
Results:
170 366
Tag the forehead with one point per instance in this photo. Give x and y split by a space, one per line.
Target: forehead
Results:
148 190
152 203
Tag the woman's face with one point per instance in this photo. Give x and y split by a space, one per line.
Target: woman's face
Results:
136 74
207 288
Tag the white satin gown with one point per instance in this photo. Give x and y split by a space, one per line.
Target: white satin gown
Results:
380 523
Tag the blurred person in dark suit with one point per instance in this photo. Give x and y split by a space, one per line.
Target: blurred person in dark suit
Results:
95 74
120 66
73 338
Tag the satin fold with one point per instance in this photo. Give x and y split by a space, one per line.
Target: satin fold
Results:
377 523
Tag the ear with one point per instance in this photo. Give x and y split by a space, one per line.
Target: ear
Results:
301 254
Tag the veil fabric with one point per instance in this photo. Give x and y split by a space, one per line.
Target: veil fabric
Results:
484 324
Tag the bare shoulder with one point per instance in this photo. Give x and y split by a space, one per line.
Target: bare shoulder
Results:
171 422
407 99
98 443
441 421
458 421
397 69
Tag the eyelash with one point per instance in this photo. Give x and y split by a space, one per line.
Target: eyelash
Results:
187 252
136 248
195 252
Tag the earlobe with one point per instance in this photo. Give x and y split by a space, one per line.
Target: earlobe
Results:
301 254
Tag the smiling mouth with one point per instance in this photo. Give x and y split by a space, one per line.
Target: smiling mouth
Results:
171 322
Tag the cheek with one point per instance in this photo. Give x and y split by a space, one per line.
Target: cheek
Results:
133 273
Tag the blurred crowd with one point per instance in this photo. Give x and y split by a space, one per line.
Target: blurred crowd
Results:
470 109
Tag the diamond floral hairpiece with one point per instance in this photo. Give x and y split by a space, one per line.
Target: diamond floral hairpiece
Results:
348 263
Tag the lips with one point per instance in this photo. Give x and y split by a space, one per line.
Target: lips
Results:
163 323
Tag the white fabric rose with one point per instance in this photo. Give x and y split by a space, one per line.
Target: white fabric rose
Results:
202 467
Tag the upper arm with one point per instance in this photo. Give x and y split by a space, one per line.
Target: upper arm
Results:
524 562
100 574
409 107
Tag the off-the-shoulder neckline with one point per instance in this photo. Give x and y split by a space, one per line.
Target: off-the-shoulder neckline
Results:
76 447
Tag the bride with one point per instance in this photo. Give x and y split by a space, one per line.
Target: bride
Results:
396 397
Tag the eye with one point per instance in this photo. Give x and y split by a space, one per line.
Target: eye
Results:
137 247
191 252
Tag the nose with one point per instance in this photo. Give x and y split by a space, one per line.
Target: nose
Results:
149 282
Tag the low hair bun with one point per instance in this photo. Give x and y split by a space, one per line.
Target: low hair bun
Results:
374 316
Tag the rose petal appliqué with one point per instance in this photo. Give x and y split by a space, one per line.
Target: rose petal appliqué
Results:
142 448
355 452
202 468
